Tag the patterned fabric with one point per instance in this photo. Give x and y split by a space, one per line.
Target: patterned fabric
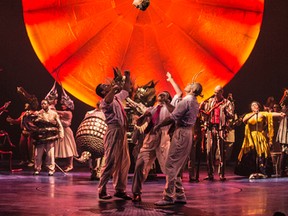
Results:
282 135
255 137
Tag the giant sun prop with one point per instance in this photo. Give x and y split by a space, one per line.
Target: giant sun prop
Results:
80 41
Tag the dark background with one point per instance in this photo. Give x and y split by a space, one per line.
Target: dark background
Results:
264 74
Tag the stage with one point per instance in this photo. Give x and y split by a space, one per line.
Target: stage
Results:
74 194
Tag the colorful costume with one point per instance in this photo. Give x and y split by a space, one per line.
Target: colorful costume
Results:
219 112
48 130
255 139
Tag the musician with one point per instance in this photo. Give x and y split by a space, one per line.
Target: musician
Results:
155 145
116 150
218 111
48 132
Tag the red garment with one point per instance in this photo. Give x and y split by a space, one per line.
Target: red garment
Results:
155 117
123 112
216 116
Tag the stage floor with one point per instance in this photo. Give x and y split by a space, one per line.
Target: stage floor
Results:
74 194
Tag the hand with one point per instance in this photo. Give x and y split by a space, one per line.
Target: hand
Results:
169 76
142 128
116 89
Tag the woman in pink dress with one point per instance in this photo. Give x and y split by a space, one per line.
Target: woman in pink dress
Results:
66 148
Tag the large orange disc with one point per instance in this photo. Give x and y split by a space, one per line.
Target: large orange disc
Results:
80 41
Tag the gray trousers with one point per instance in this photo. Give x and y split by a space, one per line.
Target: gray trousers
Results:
117 159
154 146
177 158
50 158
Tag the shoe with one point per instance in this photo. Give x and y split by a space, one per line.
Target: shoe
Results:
68 169
209 178
30 164
222 178
22 163
94 176
193 180
136 198
36 173
164 202
50 173
105 196
180 200
123 195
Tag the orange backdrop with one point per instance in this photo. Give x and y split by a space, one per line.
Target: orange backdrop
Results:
80 41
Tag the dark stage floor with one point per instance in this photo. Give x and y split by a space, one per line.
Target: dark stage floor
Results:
74 194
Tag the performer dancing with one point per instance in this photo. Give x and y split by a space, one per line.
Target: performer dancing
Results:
66 148
26 147
155 145
117 156
255 139
184 116
218 110
2 132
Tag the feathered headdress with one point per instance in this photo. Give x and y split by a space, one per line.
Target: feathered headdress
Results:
52 95
66 100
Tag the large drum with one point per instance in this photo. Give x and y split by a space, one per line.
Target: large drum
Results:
89 136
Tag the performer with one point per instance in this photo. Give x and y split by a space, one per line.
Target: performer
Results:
95 164
2 132
52 97
184 116
26 148
255 140
282 135
117 158
4 107
66 148
155 145
48 130
196 149
218 110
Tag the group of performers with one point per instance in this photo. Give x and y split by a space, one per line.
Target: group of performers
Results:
46 131
176 130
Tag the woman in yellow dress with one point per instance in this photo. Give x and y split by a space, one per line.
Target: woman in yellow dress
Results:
256 140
